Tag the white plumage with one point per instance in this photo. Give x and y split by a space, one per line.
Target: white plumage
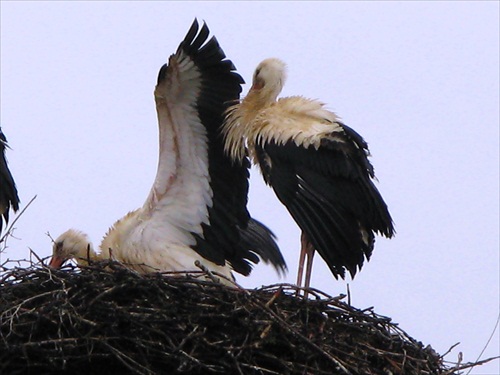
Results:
183 220
317 166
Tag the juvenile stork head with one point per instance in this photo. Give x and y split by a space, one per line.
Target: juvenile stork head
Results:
269 78
72 244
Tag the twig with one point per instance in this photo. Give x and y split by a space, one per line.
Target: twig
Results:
9 230
450 349
486 345
287 327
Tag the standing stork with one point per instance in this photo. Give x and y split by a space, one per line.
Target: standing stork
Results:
318 168
196 209
8 191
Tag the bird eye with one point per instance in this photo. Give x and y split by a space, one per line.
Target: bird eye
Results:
59 247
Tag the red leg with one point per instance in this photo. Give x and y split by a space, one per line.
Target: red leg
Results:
310 255
302 258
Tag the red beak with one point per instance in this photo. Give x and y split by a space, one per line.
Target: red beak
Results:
56 262
257 84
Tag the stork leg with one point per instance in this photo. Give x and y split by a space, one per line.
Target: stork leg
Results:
306 256
302 258
309 264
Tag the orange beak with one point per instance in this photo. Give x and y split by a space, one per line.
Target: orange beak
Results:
56 262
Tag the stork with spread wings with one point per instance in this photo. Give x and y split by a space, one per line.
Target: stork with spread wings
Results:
196 209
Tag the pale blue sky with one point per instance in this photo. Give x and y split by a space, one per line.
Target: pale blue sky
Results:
419 80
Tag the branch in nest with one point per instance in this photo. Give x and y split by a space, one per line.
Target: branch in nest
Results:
89 319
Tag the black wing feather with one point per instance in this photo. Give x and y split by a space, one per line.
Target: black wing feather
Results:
330 194
231 235
8 191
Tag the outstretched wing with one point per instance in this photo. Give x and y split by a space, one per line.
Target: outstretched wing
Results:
327 187
199 83
8 192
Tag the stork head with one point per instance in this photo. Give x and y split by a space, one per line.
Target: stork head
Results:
72 244
269 78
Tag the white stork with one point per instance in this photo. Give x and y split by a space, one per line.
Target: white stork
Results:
196 210
8 191
317 166
74 244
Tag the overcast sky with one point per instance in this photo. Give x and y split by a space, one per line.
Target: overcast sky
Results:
419 80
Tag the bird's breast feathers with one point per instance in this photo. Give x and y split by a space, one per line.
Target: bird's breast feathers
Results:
305 122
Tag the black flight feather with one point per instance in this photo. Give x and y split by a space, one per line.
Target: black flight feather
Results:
330 194
231 236
8 191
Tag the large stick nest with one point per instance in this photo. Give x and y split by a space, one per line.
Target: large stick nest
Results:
91 320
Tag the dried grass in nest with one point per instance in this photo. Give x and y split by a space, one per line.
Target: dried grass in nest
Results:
101 322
